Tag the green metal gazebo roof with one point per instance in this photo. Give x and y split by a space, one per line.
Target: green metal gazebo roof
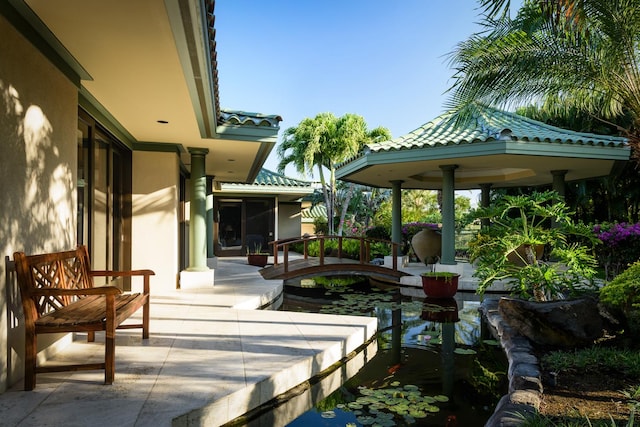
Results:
497 147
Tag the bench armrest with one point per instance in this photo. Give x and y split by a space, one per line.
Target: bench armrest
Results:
130 273
99 290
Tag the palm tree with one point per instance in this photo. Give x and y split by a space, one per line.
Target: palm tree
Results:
323 142
562 55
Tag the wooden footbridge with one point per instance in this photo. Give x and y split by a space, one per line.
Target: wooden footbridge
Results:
331 258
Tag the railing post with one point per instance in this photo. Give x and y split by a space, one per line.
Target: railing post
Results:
394 255
340 247
367 252
321 254
275 252
306 248
361 250
286 258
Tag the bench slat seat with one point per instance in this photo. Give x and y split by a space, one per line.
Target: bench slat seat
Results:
89 314
58 296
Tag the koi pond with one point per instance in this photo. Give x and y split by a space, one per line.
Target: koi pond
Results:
430 364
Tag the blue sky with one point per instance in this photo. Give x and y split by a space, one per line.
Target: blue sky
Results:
384 60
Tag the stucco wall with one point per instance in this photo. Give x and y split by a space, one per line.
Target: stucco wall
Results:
288 220
156 178
38 124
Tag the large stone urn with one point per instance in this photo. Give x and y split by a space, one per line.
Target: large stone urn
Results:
427 245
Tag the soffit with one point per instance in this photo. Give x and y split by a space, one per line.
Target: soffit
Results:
151 60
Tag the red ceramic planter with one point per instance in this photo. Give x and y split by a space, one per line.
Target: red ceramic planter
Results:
259 260
442 310
440 287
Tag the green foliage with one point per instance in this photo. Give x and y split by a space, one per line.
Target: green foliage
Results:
379 232
320 226
506 250
606 359
350 248
447 276
576 57
539 420
323 142
623 292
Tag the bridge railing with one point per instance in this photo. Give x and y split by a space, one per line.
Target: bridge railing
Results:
364 255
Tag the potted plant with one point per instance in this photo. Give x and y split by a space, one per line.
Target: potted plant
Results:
440 284
508 249
255 256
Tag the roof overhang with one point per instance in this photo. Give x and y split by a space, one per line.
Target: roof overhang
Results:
144 62
285 194
500 163
495 147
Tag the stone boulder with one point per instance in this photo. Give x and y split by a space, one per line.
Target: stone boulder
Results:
564 323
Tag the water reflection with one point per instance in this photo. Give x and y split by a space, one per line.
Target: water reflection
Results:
423 371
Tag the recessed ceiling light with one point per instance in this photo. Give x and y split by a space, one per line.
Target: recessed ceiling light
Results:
163 122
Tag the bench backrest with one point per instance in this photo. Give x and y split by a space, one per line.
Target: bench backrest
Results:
66 270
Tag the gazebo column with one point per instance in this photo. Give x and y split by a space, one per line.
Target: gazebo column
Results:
396 211
448 215
558 182
197 275
558 185
396 214
485 201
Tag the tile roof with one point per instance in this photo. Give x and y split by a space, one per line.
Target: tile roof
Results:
267 177
491 124
243 118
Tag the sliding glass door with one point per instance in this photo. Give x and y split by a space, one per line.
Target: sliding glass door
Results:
104 196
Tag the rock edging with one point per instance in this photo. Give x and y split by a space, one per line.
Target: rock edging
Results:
525 383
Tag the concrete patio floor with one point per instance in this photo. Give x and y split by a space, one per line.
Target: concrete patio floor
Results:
212 356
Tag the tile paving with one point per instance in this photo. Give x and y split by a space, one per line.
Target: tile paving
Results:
212 356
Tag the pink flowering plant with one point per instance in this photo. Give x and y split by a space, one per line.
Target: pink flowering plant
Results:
620 248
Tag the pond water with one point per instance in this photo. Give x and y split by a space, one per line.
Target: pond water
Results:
430 365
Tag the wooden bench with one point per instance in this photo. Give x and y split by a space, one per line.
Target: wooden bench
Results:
58 295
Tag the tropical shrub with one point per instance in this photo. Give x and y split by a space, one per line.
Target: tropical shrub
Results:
620 248
320 226
506 250
623 292
378 232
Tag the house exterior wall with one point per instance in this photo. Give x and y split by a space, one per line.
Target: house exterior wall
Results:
289 220
38 175
156 204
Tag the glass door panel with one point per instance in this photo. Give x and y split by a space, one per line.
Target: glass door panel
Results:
230 225
259 217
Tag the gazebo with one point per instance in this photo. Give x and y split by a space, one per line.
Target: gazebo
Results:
495 149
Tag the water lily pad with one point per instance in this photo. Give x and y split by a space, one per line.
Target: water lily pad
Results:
354 405
417 413
328 414
411 387
366 420
441 398
464 351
